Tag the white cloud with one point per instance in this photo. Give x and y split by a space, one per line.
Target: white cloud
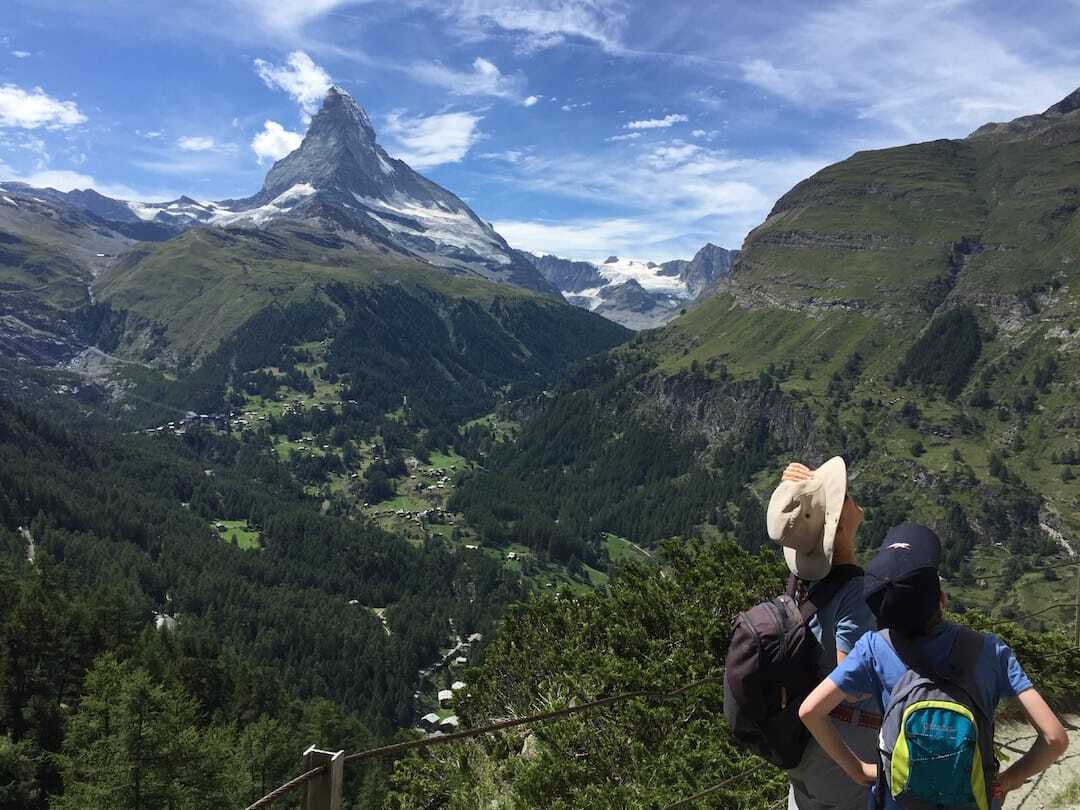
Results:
658 123
34 108
196 143
304 81
274 142
432 140
149 133
568 107
21 54
67 180
485 79
629 136
528 101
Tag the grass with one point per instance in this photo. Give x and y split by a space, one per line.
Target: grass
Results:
620 549
444 461
246 536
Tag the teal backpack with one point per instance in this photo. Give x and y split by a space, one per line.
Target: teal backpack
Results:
937 739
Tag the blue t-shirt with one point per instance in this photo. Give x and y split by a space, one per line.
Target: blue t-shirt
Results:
840 624
873 667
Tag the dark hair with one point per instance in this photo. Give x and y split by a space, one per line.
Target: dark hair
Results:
909 604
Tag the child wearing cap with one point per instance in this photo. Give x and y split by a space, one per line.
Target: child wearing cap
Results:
903 589
814 518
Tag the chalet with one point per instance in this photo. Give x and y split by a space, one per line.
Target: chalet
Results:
461 661
471 547
475 637
429 722
450 724
511 555
446 697
162 621
457 686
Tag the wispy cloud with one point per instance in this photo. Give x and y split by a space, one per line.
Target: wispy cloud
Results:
540 24
21 54
658 123
918 70
665 201
484 79
304 81
31 109
289 16
432 140
628 136
274 141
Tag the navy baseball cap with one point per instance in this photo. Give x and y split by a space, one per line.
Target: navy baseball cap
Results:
901 585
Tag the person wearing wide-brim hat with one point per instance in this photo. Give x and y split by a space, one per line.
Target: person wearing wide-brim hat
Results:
812 516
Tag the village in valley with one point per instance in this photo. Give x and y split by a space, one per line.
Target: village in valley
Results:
301 430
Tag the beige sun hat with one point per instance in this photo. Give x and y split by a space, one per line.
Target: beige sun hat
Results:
803 515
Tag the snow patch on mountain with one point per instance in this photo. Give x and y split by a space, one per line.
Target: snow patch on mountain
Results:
439 222
264 213
645 273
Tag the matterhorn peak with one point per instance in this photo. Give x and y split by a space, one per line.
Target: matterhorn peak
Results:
341 111
338 152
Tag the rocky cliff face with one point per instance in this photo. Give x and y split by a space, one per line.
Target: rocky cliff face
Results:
710 265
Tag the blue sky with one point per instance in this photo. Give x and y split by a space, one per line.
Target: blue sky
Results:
579 127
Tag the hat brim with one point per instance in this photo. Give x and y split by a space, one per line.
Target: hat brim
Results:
817 563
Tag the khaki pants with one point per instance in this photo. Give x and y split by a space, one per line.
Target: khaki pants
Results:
817 783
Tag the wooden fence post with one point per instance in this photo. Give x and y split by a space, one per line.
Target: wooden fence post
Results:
324 792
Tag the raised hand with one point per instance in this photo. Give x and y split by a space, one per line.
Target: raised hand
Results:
796 472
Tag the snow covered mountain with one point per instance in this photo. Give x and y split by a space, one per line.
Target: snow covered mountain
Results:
636 293
341 180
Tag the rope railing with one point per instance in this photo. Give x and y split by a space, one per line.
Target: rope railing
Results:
701 794
502 725
288 787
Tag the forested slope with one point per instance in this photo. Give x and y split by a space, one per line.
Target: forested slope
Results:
122 536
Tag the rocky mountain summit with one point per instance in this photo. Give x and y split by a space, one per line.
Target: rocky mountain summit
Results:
637 294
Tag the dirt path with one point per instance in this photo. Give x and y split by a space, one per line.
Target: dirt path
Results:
1041 791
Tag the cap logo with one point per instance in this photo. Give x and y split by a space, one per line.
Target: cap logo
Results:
904 546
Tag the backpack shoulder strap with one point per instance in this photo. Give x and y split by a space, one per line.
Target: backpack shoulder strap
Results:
964 664
823 592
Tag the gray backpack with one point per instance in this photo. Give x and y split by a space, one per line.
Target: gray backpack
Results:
937 737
